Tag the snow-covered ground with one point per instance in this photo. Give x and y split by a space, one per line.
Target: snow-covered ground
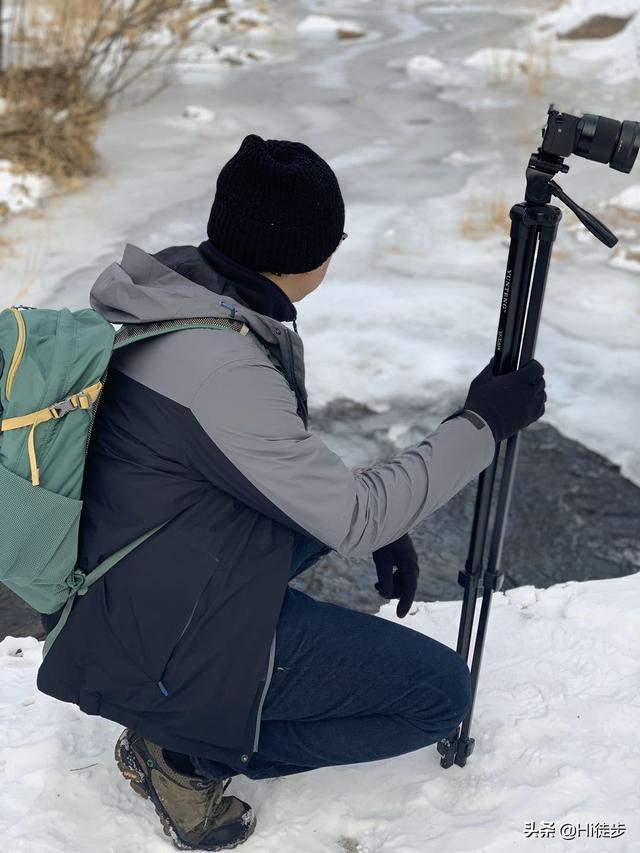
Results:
556 726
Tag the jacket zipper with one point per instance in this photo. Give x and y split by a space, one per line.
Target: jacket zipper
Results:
188 622
18 353
163 689
94 412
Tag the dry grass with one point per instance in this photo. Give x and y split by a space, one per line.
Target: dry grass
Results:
539 66
621 217
536 67
633 255
65 61
51 121
483 216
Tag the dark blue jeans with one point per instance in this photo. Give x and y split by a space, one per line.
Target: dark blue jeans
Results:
349 687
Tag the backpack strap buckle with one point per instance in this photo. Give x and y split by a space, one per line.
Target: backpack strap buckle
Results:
82 400
58 410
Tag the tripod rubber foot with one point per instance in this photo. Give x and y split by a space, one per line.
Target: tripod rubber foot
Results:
447 749
464 750
454 750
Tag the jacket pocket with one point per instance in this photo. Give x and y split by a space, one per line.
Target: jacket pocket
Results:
166 684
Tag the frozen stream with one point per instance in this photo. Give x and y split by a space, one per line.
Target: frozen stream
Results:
407 315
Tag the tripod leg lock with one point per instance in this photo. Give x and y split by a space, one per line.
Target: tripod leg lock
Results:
463 579
493 580
466 577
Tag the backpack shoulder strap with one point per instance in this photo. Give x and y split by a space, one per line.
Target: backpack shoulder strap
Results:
82 582
133 332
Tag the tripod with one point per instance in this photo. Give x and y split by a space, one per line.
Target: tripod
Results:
534 225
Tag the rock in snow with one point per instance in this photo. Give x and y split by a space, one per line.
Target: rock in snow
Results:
555 725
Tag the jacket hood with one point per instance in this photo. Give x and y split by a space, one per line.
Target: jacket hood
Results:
141 289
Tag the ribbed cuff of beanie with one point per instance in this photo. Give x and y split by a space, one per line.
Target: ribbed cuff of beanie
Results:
276 249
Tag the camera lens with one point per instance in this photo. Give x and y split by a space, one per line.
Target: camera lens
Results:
627 147
606 140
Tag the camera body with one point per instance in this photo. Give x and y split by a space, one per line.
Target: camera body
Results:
593 137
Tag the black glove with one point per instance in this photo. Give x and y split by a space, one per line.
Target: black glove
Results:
403 582
510 402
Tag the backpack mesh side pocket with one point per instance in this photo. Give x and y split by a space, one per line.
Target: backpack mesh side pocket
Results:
39 536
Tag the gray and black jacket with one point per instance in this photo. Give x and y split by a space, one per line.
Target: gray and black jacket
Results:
207 430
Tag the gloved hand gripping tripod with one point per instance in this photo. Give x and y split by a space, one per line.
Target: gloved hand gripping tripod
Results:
534 225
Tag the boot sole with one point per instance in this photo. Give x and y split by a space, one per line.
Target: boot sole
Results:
130 768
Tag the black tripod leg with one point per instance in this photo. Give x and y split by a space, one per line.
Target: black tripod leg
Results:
493 578
513 305
512 308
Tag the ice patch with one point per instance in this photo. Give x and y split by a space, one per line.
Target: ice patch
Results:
198 113
461 158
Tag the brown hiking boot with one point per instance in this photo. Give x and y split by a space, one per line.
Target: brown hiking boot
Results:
192 810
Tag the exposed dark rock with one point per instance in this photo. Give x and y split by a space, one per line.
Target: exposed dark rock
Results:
573 516
598 27
17 619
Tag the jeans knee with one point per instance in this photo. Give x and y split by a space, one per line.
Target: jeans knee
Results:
447 696
458 687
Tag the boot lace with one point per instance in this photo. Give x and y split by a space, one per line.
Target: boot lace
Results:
215 804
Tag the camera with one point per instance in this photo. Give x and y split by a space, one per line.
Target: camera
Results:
594 137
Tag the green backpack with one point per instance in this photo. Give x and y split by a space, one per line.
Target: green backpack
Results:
53 366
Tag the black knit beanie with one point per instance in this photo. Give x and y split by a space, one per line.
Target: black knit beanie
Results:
278 207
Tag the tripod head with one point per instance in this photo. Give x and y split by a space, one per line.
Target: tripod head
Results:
594 137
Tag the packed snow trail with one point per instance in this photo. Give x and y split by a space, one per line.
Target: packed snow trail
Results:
556 725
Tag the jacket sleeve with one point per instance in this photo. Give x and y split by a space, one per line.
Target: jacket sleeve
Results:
247 409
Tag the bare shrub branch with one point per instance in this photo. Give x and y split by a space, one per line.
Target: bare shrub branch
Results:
64 61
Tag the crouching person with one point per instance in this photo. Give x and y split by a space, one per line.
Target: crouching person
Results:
194 641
